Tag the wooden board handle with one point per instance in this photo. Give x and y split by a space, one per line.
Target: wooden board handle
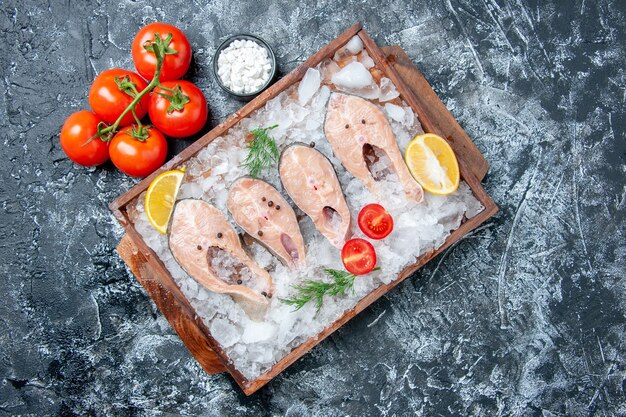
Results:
186 327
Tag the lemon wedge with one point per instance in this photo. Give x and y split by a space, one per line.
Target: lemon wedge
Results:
161 196
433 164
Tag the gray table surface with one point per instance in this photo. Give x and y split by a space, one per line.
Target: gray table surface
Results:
525 316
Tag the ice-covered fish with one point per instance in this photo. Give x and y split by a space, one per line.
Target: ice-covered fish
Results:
359 133
265 215
208 248
310 180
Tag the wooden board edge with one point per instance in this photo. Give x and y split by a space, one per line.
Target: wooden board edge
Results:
185 327
436 110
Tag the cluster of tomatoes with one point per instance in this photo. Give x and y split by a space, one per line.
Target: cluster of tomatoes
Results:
120 99
358 255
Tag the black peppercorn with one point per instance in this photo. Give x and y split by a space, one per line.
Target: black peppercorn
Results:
239 281
264 294
347 126
219 235
363 121
312 144
199 247
260 233
270 203
277 207
263 198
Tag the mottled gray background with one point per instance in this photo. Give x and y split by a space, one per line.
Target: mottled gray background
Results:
525 316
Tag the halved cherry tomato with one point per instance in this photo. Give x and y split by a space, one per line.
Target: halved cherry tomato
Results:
175 64
178 108
375 221
358 256
138 158
76 133
108 99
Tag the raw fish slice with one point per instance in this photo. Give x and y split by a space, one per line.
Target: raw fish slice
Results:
208 248
265 215
354 126
310 180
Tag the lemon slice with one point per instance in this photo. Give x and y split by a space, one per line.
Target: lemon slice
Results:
161 196
433 164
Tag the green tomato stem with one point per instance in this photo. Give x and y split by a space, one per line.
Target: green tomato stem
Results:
159 51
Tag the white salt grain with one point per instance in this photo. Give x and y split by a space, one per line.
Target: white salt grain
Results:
244 66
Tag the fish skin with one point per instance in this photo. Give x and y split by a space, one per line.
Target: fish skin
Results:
253 214
347 143
195 224
310 180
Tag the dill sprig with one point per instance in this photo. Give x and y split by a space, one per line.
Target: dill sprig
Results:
342 281
262 151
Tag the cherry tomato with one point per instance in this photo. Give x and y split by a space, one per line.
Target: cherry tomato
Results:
175 65
76 132
108 100
135 157
375 221
358 256
172 115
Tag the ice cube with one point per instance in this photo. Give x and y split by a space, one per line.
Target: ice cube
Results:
308 86
312 124
328 68
409 117
296 112
258 332
388 91
366 60
320 100
395 112
353 76
355 45
224 332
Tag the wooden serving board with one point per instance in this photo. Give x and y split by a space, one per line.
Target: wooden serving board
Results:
153 275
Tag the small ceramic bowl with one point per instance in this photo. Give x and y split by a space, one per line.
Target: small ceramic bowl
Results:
224 45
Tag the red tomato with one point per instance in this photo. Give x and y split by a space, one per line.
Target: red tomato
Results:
375 221
172 115
108 101
175 65
76 132
135 157
358 256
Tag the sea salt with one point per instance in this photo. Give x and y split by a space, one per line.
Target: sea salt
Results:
253 347
244 66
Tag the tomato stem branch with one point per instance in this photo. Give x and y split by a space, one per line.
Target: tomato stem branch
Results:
159 47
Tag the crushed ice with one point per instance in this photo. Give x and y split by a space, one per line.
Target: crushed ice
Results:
253 347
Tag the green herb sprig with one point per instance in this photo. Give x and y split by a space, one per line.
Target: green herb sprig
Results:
262 151
342 281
